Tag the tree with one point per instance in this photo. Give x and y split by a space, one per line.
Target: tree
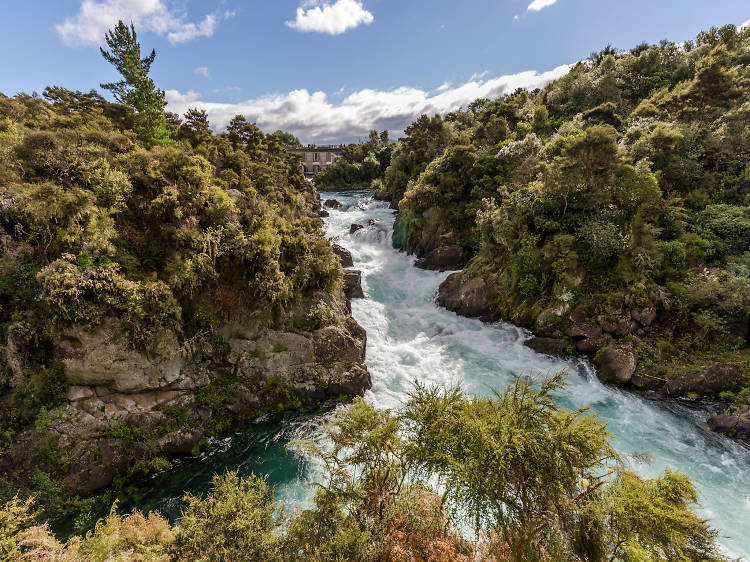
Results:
136 89
196 127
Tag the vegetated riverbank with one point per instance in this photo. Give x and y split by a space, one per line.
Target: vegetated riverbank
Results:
153 295
409 339
608 212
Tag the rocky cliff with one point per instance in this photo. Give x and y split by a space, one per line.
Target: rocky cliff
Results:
127 410
615 339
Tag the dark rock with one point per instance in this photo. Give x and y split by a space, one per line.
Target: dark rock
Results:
737 427
548 346
356 383
393 205
614 325
353 284
580 314
643 380
616 363
591 345
381 195
373 222
711 381
584 330
344 255
644 317
323 213
468 296
723 423
355 227
332 204
443 259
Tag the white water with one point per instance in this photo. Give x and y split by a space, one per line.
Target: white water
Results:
409 338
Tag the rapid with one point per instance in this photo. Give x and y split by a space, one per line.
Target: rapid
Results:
410 338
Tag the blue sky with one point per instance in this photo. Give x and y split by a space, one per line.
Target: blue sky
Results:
328 70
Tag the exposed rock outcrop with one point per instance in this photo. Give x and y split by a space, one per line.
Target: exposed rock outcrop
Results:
443 259
125 405
353 284
381 195
467 295
355 227
344 255
548 346
709 382
616 363
332 204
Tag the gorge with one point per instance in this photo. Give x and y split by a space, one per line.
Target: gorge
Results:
410 338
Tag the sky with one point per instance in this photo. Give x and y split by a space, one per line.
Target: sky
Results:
331 70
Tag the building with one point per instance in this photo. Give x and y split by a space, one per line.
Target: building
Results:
316 158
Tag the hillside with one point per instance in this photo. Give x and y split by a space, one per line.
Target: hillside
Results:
159 284
608 212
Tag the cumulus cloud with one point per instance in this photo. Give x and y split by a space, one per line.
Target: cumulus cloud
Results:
537 5
95 17
313 117
320 16
744 25
202 71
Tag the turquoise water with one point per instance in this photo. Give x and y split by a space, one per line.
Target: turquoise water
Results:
410 338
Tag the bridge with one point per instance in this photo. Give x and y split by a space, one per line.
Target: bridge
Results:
317 157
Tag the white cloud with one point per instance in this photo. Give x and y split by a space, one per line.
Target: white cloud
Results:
95 17
202 71
515 18
537 5
314 118
320 16
744 25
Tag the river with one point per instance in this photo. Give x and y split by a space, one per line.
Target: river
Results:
410 338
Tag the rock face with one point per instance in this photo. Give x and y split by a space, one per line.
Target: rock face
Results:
548 346
353 284
381 195
122 403
344 255
323 213
711 381
443 259
467 296
332 204
737 427
616 363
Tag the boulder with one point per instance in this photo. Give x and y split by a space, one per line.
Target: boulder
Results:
344 255
323 213
443 259
709 382
548 346
644 317
737 427
643 380
353 284
592 345
381 195
468 296
332 204
616 363
355 227
584 330
614 325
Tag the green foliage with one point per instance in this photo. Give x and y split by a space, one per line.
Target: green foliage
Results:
136 89
627 177
539 482
235 522
358 165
